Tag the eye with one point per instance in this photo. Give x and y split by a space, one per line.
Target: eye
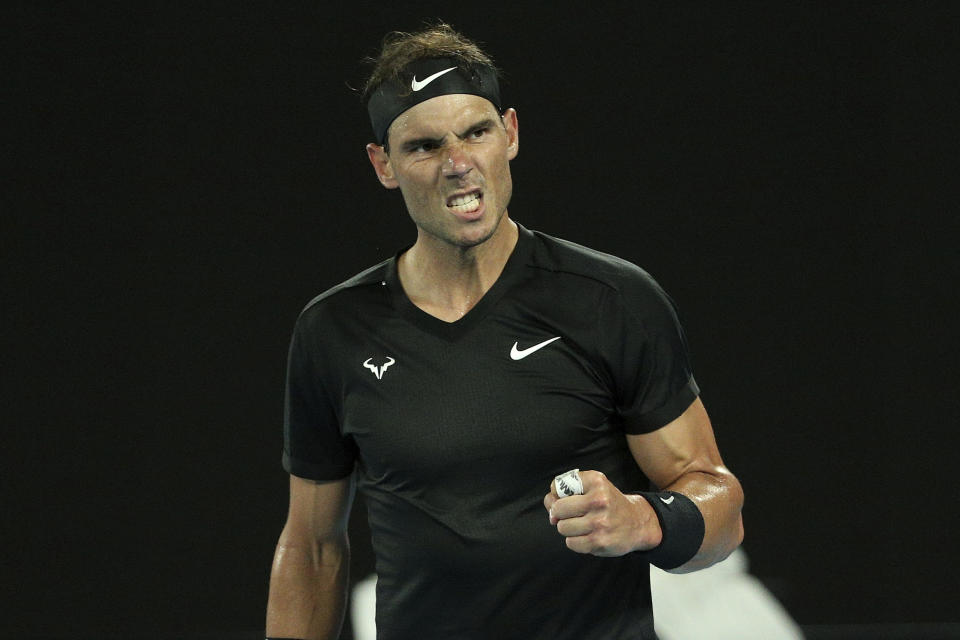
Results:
479 132
426 146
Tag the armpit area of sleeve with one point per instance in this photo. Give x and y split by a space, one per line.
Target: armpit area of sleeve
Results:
315 471
637 423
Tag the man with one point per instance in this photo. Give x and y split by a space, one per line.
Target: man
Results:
454 381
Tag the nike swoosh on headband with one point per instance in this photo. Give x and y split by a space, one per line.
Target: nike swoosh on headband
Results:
417 85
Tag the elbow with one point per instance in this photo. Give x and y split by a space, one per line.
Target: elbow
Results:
736 530
736 516
738 536
731 533
740 515
740 529
734 541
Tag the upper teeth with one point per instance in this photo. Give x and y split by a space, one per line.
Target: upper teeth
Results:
462 200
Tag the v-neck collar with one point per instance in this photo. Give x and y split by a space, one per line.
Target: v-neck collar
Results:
512 270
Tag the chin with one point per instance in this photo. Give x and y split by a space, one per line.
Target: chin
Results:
476 236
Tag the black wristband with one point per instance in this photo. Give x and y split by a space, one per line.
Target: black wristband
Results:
273 638
682 526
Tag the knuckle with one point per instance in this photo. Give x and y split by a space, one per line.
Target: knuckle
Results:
601 523
600 502
578 545
597 544
597 478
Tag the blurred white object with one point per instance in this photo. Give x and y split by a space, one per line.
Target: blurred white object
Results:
723 602
363 608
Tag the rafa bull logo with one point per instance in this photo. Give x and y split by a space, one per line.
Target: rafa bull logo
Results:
378 371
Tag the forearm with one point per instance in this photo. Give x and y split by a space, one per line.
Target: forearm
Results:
308 586
719 497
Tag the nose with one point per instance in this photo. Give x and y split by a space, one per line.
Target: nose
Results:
457 163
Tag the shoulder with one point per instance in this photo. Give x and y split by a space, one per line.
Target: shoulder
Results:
347 294
622 279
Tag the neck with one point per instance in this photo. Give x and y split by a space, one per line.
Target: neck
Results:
447 281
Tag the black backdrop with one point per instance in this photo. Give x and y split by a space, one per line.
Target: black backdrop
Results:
182 180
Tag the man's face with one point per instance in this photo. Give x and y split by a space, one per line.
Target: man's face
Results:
450 157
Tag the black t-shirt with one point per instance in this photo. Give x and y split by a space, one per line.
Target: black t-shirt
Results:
457 429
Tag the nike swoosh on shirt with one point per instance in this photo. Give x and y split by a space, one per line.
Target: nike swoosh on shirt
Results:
416 85
519 354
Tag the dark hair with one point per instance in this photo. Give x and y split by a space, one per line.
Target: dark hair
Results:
439 40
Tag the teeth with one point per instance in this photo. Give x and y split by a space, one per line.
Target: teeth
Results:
465 204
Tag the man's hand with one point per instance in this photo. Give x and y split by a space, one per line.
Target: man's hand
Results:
603 521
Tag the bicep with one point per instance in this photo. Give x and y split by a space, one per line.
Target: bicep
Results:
685 445
319 510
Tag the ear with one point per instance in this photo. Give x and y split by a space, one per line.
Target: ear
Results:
381 165
512 127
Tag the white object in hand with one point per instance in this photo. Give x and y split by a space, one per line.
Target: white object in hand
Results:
569 483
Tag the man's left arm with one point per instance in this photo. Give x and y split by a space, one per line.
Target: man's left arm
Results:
681 457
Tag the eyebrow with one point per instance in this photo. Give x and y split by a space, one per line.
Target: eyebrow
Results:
486 123
410 145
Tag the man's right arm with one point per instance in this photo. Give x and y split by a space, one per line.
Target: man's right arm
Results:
308 582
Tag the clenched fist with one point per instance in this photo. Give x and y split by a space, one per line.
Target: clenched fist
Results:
603 521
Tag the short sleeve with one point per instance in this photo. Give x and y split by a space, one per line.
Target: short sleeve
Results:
313 446
646 351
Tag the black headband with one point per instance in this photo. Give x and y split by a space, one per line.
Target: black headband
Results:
425 79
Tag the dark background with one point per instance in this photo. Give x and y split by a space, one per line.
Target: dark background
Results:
183 179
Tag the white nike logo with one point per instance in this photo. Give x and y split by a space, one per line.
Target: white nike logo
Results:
417 85
667 500
519 354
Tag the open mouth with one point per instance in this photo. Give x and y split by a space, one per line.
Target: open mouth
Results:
465 203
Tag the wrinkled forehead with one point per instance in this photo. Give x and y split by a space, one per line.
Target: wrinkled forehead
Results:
436 117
